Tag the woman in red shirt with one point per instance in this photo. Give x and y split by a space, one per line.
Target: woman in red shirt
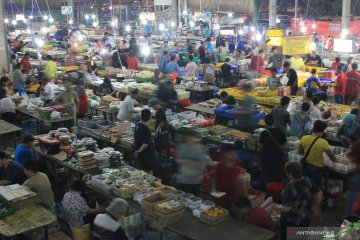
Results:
227 179
132 62
258 62
25 63
336 63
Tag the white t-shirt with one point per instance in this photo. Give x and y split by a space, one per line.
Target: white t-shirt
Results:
7 105
315 114
126 109
50 91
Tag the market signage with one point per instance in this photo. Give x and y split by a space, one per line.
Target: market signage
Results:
297 45
274 37
66 10
335 27
163 2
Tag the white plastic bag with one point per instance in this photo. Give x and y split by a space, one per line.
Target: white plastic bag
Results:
284 80
94 103
36 101
55 115
31 106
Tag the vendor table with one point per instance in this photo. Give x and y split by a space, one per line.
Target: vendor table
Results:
54 123
26 220
200 109
193 228
205 93
105 110
7 131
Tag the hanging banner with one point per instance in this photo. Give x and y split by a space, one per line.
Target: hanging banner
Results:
297 45
163 2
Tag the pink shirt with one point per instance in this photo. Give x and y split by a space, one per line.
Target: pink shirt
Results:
191 69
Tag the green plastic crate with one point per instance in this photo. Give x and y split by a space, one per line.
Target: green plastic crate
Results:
45 114
143 80
6 209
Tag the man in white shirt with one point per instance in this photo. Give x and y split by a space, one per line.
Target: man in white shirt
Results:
315 112
6 103
128 105
49 91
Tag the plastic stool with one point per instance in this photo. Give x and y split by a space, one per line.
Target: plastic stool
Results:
274 189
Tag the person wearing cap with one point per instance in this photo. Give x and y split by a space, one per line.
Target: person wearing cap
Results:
107 225
314 60
25 151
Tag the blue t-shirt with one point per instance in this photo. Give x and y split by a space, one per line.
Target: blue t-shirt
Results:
315 81
22 154
241 46
148 28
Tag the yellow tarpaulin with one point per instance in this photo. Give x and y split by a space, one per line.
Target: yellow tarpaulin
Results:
297 45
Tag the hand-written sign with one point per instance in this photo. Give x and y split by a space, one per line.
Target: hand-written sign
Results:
297 45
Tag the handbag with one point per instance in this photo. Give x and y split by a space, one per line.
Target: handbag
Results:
303 160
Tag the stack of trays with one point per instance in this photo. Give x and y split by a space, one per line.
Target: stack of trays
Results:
86 160
102 160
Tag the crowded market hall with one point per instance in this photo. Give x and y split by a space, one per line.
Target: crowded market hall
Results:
179 119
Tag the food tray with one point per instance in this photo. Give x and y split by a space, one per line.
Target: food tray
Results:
179 207
5 209
101 185
214 220
149 202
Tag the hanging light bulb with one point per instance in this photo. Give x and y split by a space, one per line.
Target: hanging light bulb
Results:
230 14
278 20
172 24
28 31
301 23
44 29
241 32
51 20
71 21
80 38
192 24
25 20
103 51
13 22
252 28
217 26
344 33
110 7
6 20
161 27
46 17
113 23
128 28
76 44
185 12
313 26
303 29
31 17
258 37
39 42
86 16
95 24
93 16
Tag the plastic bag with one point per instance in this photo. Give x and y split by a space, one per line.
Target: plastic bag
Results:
94 103
31 106
55 115
36 101
284 80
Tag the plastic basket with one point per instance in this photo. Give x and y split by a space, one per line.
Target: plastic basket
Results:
223 110
6 209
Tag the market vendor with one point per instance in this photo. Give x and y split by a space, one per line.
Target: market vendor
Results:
18 78
313 85
202 52
12 173
276 60
165 47
107 225
48 92
50 68
83 98
293 78
69 98
39 183
352 85
296 62
228 178
127 108
273 82
227 73
336 64
25 63
7 108
161 123
75 206
132 62
314 60
246 53
340 86
106 88
315 112
25 151
349 131
144 144
257 61
348 66
167 95
301 121
91 66
105 38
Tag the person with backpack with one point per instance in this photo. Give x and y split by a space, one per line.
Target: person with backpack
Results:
300 199
272 140
301 122
312 147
